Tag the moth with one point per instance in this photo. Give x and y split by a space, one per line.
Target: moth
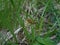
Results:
31 21
28 22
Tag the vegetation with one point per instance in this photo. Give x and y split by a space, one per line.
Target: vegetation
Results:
39 19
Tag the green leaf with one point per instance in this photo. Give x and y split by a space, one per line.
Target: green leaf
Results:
45 41
42 18
32 33
12 2
36 43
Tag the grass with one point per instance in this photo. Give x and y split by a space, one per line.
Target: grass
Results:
12 13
